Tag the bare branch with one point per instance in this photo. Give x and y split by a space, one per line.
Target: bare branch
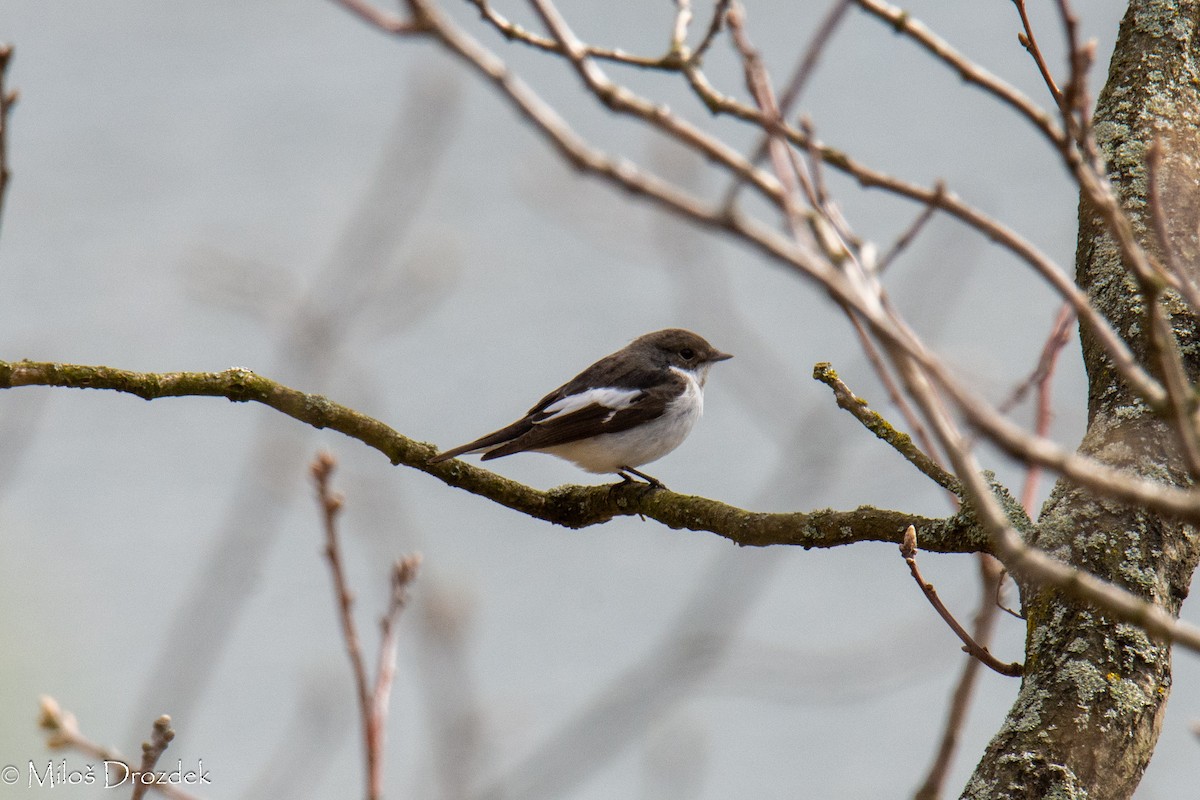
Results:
622 100
1043 378
1029 41
908 549
514 32
331 503
990 576
903 23
160 737
720 8
373 698
62 732
1029 562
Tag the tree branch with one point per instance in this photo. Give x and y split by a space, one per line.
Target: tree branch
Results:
373 696
899 441
908 549
62 732
569 506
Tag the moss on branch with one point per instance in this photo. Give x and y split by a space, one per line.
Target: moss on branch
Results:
569 506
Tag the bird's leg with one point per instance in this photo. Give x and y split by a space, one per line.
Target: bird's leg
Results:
655 482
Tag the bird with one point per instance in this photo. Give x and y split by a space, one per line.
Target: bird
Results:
628 409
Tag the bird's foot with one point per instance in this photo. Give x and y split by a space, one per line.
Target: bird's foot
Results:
627 472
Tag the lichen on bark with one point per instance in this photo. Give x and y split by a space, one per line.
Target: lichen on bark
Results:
1089 711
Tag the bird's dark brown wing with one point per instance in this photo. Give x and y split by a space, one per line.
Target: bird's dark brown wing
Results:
591 420
532 432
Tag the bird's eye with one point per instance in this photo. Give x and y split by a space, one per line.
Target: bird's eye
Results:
687 353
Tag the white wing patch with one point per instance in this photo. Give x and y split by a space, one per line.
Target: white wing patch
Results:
609 397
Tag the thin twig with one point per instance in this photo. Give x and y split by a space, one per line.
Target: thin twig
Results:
373 698
831 213
990 576
901 442
1029 41
160 737
910 233
715 24
517 33
331 504
792 92
404 572
1043 379
1158 214
911 418
903 23
1076 106
908 549
62 732
791 177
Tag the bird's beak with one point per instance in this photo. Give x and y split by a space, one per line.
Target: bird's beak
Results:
719 356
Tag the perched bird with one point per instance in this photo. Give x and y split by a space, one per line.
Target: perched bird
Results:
626 410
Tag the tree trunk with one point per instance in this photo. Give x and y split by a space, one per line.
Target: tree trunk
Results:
1090 707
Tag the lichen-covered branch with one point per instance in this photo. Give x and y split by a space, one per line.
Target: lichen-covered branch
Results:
874 422
569 506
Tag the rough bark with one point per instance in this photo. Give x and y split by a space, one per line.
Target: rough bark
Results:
1090 707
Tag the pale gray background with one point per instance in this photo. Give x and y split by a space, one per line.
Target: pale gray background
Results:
273 185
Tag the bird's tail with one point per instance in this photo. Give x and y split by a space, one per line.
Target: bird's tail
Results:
506 434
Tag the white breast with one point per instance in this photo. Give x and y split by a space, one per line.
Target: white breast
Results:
642 444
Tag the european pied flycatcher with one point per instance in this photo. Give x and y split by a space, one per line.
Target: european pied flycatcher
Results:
626 410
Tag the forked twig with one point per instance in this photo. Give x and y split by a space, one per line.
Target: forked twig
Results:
715 24
372 698
1029 41
160 737
62 731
